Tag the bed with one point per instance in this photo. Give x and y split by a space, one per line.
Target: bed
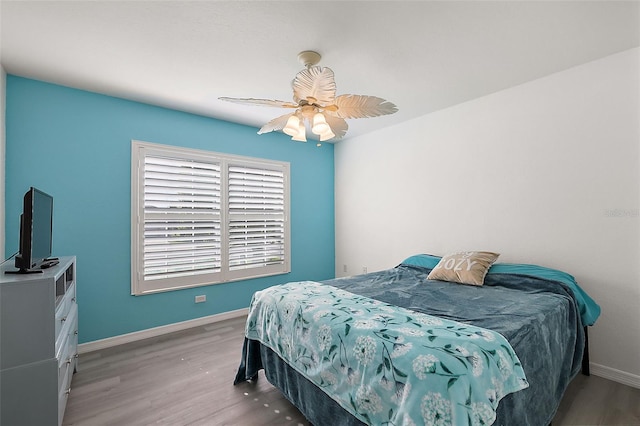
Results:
393 347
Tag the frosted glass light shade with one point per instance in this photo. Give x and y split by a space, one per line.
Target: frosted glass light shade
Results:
292 126
320 125
301 134
327 135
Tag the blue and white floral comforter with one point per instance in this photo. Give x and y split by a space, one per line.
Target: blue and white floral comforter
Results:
385 364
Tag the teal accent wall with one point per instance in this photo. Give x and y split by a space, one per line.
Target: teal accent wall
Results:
76 146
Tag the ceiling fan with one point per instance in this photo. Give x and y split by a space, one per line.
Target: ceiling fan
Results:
315 102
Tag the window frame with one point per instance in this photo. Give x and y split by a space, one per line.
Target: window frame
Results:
139 151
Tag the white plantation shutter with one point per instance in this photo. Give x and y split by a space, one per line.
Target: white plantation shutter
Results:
181 218
201 218
256 217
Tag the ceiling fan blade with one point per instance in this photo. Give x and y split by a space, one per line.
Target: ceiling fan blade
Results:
275 124
363 106
260 102
338 126
314 82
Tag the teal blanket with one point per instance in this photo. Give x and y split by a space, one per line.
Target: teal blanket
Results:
589 309
385 364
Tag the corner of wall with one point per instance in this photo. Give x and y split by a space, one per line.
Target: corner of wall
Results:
3 85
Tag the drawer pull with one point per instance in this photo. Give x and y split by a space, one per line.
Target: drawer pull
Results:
68 391
73 299
75 332
63 319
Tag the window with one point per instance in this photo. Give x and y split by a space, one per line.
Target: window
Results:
200 218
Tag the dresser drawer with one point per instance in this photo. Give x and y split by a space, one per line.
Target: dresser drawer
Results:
63 396
67 359
67 333
62 312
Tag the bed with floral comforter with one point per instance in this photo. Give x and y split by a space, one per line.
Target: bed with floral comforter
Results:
393 348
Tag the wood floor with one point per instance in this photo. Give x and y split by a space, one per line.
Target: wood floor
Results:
185 378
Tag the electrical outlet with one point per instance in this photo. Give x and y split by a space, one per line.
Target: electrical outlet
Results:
364 269
201 298
344 268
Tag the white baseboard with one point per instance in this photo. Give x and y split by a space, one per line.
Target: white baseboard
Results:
158 331
615 375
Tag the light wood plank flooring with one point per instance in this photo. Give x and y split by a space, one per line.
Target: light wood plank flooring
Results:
186 378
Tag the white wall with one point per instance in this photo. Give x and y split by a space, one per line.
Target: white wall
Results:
547 172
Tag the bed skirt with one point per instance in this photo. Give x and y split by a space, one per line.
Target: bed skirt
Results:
318 408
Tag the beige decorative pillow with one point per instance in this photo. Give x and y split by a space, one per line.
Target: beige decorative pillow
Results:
466 267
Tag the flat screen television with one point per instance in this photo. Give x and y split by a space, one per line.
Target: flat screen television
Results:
36 228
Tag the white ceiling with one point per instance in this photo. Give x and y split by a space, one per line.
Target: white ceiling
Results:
423 56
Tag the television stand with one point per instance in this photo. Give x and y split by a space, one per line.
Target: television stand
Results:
38 343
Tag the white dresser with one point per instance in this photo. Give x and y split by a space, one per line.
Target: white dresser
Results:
38 343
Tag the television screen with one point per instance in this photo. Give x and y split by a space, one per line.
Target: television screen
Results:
36 226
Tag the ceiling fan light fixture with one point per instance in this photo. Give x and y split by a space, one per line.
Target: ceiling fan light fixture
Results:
320 125
292 127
